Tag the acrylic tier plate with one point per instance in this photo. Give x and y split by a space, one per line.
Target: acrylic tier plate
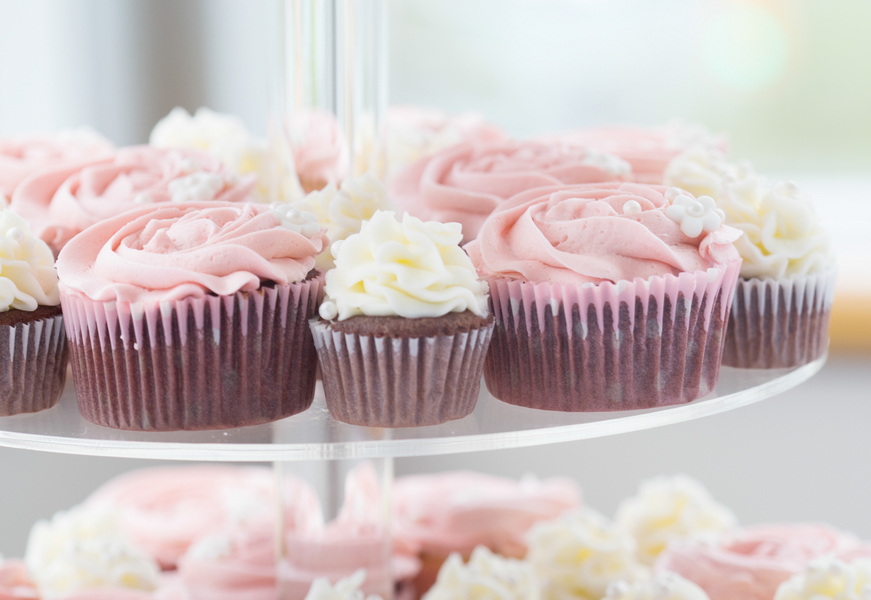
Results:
314 435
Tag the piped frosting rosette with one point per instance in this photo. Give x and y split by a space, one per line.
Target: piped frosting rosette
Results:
208 302
21 157
466 182
608 296
780 316
61 202
752 563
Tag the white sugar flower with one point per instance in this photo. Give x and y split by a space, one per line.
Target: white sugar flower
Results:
694 215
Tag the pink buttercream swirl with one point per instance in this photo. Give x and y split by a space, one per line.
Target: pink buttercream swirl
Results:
21 157
648 149
167 252
15 582
457 511
752 563
320 152
591 234
166 509
61 202
466 182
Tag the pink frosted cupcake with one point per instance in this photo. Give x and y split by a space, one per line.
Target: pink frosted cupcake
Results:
437 515
192 315
166 509
752 563
21 157
606 296
466 182
61 202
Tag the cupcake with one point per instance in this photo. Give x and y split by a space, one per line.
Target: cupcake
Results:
405 326
192 315
829 578
783 300
166 509
466 182
752 563
21 157
455 512
61 202
648 150
608 296
33 348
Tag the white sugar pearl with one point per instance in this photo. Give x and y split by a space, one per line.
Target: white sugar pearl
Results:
328 310
673 192
631 207
14 233
188 165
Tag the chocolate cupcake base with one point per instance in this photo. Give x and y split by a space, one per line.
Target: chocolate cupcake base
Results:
209 363
396 372
779 323
645 344
33 360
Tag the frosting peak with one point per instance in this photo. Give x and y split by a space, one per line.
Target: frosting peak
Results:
594 233
27 275
409 268
173 251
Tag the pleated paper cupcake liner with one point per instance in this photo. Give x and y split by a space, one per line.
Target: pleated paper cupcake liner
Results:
631 345
33 365
779 323
403 381
199 363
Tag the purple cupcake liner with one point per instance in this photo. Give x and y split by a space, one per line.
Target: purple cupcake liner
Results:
780 323
33 365
606 347
403 381
199 363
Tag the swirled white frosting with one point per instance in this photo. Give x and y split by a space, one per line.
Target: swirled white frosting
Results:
782 235
580 554
83 549
670 509
829 578
345 589
410 268
27 275
342 211
487 576
664 586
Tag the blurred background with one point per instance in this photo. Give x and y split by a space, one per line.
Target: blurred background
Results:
788 80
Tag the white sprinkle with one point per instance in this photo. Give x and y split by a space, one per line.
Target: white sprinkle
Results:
673 192
328 310
631 207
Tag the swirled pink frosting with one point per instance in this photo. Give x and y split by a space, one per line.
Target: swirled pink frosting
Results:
580 234
457 511
647 149
170 251
320 152
466 182
15 582
752 563
23 156
165 509
59 203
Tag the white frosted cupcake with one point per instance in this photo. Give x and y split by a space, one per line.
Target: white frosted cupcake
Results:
405 326
780 313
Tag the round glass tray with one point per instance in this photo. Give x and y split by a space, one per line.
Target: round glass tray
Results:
314 435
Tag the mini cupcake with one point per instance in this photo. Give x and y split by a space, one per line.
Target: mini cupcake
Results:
404 330
61 202
455 512
466 182
33 348
780 315
752 563
607 296
193 315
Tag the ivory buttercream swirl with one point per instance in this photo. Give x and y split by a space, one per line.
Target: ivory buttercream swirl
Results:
664 586
782 234
466 182
486 576
410 268
172 251
347 588
27 275
594 233
829 578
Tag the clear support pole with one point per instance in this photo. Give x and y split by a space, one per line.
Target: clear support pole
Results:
334 518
